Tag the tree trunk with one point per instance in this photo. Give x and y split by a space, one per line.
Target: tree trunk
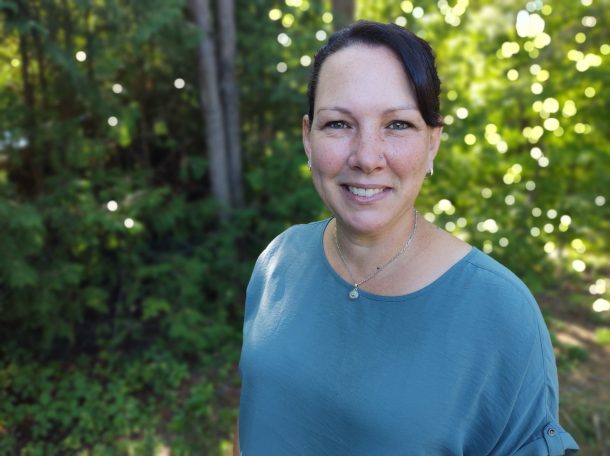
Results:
31 179
343 13
41 60
230 97
211 107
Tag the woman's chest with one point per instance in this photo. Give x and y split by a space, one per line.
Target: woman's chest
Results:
365 378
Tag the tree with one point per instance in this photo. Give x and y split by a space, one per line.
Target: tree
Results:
219 101
343 12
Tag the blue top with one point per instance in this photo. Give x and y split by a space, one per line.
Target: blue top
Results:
462 366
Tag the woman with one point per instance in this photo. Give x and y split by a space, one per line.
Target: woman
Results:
375 332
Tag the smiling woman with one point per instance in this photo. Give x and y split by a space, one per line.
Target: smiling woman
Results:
368 144
375 332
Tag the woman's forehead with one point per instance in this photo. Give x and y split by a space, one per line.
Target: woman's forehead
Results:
363 71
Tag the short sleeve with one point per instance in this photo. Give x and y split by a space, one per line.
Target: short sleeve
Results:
532 425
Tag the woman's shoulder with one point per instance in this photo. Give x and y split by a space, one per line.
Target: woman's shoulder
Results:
497 298
295 235
489 273
293 242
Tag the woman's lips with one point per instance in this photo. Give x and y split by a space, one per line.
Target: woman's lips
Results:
365 193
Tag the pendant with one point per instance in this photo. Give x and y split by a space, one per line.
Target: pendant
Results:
354 293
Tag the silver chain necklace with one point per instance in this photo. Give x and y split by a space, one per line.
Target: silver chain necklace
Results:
354 294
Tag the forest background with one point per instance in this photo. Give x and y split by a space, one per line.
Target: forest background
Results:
150 149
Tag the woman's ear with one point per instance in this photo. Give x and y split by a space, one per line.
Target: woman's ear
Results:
306 130
435 141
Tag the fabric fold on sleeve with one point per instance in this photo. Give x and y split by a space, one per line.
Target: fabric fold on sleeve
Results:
555 441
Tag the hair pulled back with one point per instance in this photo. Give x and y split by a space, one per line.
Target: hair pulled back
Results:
414 53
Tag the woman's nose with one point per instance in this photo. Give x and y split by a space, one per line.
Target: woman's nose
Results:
368 153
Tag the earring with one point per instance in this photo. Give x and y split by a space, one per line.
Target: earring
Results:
309 164
431 170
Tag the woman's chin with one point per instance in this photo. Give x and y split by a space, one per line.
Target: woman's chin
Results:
364 225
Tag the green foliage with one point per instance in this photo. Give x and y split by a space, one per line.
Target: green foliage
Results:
109 406
602 336
121 293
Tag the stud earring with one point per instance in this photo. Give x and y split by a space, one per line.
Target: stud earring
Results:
309 164
431 170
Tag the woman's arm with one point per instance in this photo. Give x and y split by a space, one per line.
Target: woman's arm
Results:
236 450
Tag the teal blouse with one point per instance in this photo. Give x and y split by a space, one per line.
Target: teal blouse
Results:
463 366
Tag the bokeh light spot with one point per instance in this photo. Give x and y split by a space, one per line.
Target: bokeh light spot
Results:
579 265
470 139
418 12
601 305
551 124
406 6
287 20
284 40
543 75
569 108
275 14
305 60
401 21
589 92
461 113
578 245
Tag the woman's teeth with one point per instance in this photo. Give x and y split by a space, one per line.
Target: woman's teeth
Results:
368 192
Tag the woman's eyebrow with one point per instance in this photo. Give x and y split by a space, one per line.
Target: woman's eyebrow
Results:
401 108
385 111
334 108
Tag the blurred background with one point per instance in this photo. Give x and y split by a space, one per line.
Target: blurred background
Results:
150 149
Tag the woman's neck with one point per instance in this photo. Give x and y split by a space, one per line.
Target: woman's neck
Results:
363 254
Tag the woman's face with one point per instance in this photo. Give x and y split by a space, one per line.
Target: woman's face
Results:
369 146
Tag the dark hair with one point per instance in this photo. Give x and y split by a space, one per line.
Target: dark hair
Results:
415 54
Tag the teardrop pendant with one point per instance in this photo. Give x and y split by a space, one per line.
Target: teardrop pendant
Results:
354 293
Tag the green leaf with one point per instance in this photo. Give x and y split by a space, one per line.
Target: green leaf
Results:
154 307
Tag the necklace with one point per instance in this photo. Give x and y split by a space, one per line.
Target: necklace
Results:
354 294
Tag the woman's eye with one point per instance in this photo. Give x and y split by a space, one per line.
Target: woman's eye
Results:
336 124
398 125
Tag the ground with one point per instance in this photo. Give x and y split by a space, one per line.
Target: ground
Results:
584 370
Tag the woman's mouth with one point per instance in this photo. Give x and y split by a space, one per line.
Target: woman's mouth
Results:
367 192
